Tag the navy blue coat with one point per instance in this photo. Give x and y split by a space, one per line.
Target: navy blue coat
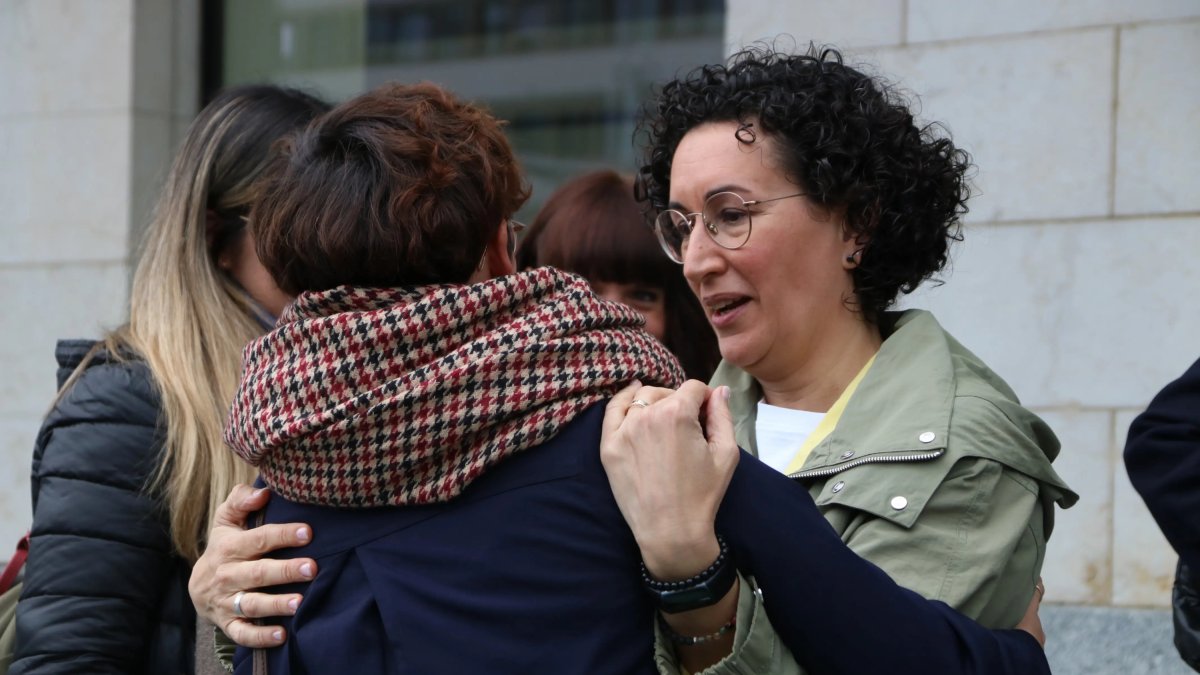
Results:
837 612
533 570
1162 455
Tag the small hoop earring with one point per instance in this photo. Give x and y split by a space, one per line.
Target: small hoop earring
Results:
855 258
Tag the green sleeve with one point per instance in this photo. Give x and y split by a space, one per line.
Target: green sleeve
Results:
978 546
224 648
757 650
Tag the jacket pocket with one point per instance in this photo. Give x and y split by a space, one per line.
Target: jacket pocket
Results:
893 486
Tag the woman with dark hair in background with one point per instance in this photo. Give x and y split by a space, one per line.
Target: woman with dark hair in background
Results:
593 226
130 464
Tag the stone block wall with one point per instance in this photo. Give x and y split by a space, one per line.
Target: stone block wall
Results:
93 95
1076 276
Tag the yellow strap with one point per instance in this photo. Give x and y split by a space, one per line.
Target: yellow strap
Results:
828 422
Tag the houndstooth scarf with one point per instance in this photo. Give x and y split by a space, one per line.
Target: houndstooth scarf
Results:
371 397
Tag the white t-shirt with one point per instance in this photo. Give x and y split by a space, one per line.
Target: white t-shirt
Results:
779 433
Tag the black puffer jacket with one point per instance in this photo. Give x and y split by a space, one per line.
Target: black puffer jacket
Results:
103 591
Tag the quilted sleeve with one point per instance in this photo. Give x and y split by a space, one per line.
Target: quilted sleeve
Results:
100 553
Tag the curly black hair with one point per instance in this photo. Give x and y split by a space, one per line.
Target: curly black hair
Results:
848 139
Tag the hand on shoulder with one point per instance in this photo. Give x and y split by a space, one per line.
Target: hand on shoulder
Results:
669 456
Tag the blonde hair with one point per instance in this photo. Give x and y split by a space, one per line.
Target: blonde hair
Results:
187 319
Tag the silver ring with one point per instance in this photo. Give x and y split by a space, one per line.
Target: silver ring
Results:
1041 589
639 403
237 604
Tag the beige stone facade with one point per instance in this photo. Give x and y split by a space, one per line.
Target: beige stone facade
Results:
93 95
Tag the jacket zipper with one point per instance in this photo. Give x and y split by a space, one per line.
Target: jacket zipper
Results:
874 459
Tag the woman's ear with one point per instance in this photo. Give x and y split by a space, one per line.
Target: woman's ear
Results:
855 240
852 247
496 260
212 226
499 251
226 257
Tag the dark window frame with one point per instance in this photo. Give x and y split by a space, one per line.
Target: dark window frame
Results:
212 49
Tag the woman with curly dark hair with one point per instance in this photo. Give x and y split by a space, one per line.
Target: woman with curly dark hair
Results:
593 226
802 199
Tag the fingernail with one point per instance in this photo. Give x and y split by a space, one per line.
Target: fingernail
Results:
636 383
725 392
306 571
277 636
302 534
293 604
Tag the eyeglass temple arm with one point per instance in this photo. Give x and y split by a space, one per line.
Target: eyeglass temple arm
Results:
773 199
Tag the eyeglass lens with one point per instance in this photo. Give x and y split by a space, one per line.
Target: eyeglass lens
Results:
725 216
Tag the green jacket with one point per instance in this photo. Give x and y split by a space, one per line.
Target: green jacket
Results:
935 473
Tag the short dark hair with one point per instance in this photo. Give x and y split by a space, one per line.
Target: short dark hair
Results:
846 138
403 185
229 149
592 226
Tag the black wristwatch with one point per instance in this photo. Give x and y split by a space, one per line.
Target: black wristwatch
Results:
702 590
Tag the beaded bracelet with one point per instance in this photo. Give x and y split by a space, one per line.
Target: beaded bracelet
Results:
655 584
687 640
701 590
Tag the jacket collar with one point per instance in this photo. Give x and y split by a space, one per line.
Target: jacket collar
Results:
903 405
911 374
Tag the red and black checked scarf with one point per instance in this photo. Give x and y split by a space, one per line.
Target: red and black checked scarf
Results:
370 397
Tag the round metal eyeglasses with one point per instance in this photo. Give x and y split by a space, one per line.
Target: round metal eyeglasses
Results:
726 218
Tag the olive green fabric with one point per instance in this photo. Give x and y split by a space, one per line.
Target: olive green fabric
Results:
224 649
756 647
935 473
214 650
8 626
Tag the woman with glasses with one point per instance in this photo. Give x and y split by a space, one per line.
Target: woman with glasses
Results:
593 226
802 199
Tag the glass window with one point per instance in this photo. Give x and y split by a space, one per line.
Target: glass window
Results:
570 76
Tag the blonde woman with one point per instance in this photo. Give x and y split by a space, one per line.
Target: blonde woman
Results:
129 464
